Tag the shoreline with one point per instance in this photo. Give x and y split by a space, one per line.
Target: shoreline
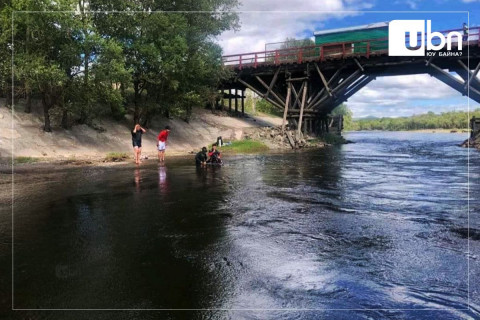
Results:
87 160
101 160
458 131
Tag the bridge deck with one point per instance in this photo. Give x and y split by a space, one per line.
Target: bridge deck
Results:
330 51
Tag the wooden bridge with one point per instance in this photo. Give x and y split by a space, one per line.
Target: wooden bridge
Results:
307 83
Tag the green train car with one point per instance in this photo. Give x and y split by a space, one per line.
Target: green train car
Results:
352 37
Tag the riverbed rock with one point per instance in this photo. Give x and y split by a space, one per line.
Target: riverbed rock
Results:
473 142
279 138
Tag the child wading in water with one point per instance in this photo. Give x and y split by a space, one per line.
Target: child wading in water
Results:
137 142
214 155
201 157
162 143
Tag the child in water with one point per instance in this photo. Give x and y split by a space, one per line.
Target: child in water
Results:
214 155
201 157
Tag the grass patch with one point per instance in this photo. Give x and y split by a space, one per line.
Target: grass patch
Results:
244 146
116 156
21 160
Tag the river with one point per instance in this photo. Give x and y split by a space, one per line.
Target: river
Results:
375 229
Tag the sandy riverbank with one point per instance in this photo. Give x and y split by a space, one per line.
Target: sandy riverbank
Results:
21 135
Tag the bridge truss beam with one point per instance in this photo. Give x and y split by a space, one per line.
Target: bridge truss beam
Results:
307 92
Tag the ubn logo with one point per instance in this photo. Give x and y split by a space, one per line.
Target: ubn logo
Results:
414 30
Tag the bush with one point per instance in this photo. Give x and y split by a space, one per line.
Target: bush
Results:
332 138
20 160
116 156
244 146
263 106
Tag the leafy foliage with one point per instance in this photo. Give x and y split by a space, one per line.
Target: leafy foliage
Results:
253 105
244 146
89 59
347 115
430 120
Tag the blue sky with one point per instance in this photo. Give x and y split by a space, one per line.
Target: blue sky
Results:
389 96
440 21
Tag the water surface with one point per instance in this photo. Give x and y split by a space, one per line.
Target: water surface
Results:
376 229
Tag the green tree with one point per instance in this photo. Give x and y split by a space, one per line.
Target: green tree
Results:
347 114
39 59
430 120
85 61
174 61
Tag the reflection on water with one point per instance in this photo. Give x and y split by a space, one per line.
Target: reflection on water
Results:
372 230
137 179
162 179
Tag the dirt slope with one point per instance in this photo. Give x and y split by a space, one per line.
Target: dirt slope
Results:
22 134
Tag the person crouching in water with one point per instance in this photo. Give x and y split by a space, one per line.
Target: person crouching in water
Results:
201 157
137 142
214 155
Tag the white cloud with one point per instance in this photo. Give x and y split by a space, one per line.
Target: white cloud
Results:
282 19
270 21
399 96
411 3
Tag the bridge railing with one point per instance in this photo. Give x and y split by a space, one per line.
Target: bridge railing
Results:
334 50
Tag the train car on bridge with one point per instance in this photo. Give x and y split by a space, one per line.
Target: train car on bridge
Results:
354 38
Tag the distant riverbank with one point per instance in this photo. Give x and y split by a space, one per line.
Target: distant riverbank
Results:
450 121
462 131
465 131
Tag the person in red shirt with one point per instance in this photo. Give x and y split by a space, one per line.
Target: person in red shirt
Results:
214 155
162 143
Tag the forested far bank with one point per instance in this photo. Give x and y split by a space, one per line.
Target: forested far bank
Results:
445 120
92 59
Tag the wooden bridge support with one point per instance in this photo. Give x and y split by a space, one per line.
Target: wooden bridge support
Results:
243 102
287 105
469 83
236 102
307 92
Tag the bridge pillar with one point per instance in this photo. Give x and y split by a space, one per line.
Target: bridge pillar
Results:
236 102
243 102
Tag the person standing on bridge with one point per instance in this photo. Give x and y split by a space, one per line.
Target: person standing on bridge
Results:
162 143
137 142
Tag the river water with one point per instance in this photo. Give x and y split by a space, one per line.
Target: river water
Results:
375 229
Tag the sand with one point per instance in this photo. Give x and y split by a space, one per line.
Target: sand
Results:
21 134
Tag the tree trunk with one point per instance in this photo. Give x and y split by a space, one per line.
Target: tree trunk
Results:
136 114
28 103
188 113
83 111
28 89
124 96
9 98
46 107
86 58
145 121
65 122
